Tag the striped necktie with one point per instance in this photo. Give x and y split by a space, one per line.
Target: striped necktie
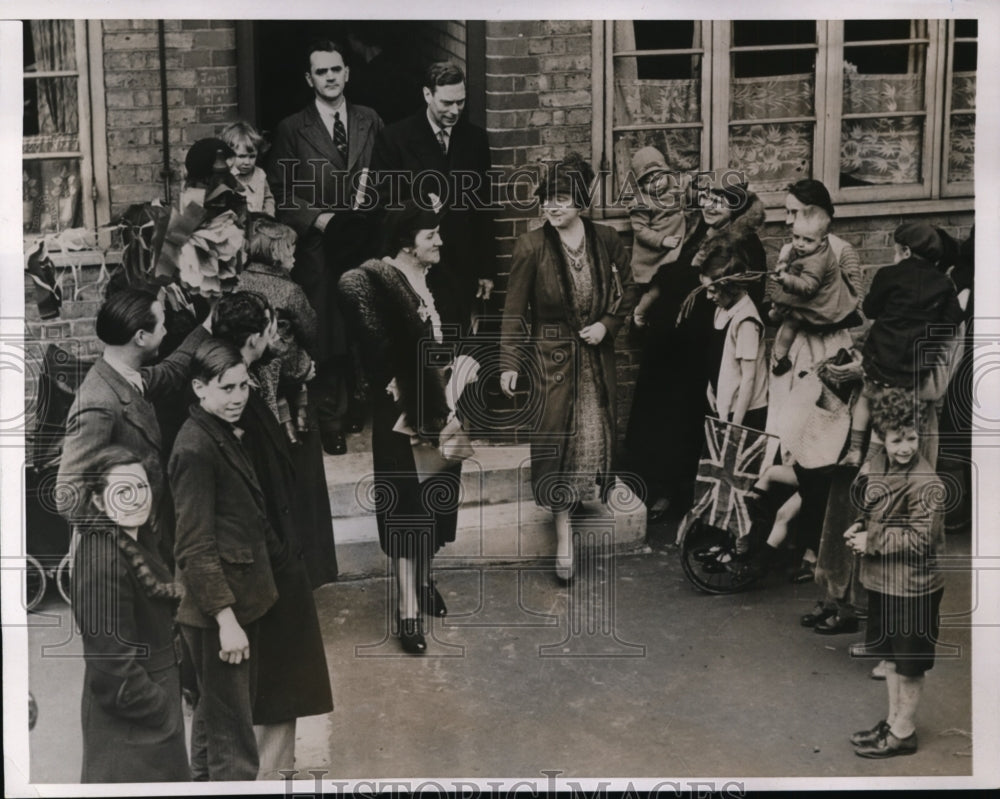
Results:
339 135
442 136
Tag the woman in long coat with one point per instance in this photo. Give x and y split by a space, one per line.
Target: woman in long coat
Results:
571 279
123 602
270 242
665 427
406 321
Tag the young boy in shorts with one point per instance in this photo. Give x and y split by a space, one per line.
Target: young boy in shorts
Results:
899 538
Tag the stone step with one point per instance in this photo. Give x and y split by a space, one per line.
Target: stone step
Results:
508 532
493 475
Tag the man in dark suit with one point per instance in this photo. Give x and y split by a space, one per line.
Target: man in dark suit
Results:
114 404
437 151
316 168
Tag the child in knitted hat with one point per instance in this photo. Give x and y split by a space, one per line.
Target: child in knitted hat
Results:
905 301
658 223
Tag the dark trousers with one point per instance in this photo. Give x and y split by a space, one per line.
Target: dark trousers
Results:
223 746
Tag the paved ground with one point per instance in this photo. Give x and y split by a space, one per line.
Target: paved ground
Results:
629 673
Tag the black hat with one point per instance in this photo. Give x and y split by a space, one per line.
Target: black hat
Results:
205 157
401 225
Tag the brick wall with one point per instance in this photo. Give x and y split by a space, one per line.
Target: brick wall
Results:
201 98
441 40
539 105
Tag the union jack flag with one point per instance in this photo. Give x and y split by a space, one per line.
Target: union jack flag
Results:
731 462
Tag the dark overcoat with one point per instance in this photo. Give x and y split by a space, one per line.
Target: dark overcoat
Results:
395 341
540 293
224 543
666 422
292 675
308 177
905 301
133 730
460 179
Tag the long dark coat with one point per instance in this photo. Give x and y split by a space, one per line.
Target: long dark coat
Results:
666 422
133 730
539 291
467 230
382 310
292 675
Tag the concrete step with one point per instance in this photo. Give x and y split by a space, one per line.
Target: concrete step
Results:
510 532
491 476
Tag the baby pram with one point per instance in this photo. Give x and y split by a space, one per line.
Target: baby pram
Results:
48 536
732 460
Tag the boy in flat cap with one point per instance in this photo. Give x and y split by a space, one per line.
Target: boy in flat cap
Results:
905 300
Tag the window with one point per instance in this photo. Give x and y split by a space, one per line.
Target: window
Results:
960 121
58 176
879 110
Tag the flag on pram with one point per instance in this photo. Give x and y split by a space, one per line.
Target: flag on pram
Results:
732 460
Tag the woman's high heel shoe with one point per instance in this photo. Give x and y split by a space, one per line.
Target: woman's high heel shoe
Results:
411 635
430 601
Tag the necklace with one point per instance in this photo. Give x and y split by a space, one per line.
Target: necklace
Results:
576 255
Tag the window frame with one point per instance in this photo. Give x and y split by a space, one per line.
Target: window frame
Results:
92 153
933 192
958 188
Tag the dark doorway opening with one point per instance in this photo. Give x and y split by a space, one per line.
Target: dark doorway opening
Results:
273 53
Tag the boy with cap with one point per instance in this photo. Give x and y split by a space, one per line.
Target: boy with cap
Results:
658 223
905 300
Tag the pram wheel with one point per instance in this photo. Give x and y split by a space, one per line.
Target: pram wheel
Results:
35 582
698 540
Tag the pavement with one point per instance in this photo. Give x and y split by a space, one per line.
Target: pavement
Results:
628 672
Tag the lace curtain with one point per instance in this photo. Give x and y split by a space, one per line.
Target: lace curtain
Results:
54 43
962 138
51 188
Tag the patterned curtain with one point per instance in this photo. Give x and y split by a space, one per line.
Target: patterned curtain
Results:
772 155
54 43
962 139
882 150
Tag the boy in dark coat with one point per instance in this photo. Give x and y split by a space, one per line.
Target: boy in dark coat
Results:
905 300
224 549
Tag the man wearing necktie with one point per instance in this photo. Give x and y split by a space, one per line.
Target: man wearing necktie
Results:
317 167
437 151
116 404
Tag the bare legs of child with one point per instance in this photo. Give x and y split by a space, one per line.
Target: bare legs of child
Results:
783 343
859 427
896 735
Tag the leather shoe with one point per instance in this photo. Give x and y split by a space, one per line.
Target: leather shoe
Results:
869 737
334 442
430 601
889 746
411 636
835 625
818 614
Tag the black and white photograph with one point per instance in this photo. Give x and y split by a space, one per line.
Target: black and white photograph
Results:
395 403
